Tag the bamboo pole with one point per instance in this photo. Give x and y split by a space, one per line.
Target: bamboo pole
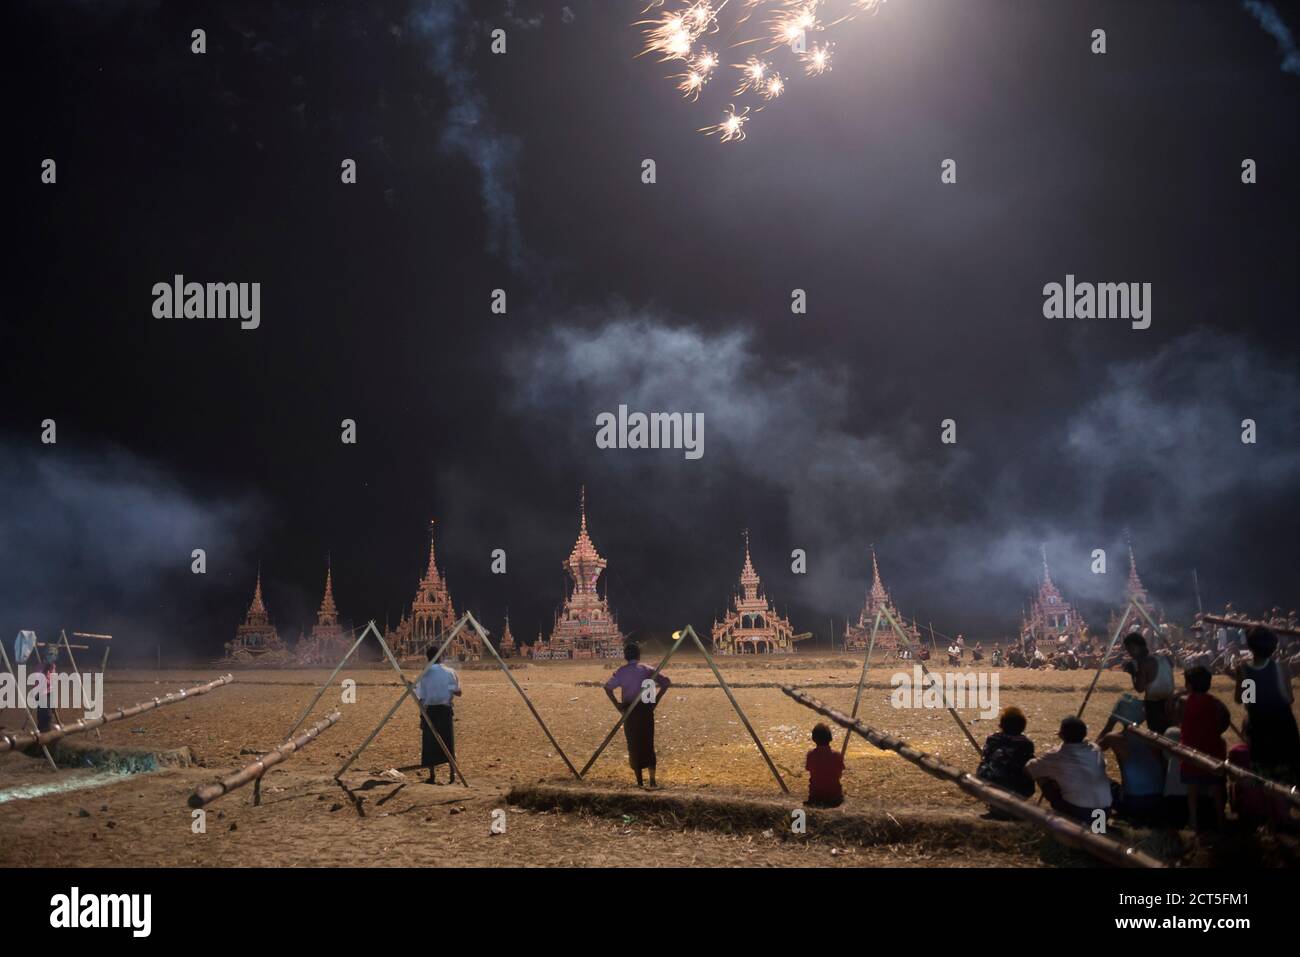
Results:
1230 622
207 793
739 711
77 671
10 742
511 678
330 680
410 690
1210 763
680 637
1104 655
862 680
6 740
677 643
1067 831
926 672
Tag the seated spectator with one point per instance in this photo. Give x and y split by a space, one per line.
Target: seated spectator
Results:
1175 809
825 767
1141 768
1205 718
1005 754
1073 776
1249 802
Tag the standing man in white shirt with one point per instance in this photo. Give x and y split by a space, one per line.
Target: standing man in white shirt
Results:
436 689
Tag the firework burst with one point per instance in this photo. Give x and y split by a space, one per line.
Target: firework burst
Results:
781 30
732 126
817 60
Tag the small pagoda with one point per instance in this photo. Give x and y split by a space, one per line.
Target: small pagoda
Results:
752 625
432 616
328 641
1136 593
857 637
256 637
1050 615
507 648
585 627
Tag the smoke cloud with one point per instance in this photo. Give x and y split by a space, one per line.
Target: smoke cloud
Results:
95 543
960 528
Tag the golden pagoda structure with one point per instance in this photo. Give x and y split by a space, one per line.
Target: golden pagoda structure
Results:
1135 593
507 647
327 641
752 625
857 636
1050 615
256 637
432 615
585 627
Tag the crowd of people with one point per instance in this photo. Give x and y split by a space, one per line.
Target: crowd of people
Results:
1155 789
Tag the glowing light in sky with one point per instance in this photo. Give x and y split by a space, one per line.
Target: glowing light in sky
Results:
781 30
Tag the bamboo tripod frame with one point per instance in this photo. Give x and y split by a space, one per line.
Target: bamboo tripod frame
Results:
1119 630
907 643
466 620
862 681
681 636
72 659
9 666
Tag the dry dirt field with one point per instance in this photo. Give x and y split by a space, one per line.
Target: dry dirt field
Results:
379 819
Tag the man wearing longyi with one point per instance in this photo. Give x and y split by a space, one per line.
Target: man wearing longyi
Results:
436 689
639 728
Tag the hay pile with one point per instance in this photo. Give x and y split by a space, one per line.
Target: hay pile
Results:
932 830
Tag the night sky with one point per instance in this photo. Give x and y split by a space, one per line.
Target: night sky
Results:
522 172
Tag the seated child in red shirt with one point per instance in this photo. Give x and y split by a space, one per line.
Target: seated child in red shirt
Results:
825 767
1205 718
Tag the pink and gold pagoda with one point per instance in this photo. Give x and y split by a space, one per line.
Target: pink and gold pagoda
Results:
507 647
432 615
256 637
1050 615
1136 593
585 627
752 625
328 641
857 637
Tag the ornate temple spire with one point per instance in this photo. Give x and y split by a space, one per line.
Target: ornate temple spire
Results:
584 563
1047 574
1134 589
432 574
257 610
328 614
749 580
877 586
